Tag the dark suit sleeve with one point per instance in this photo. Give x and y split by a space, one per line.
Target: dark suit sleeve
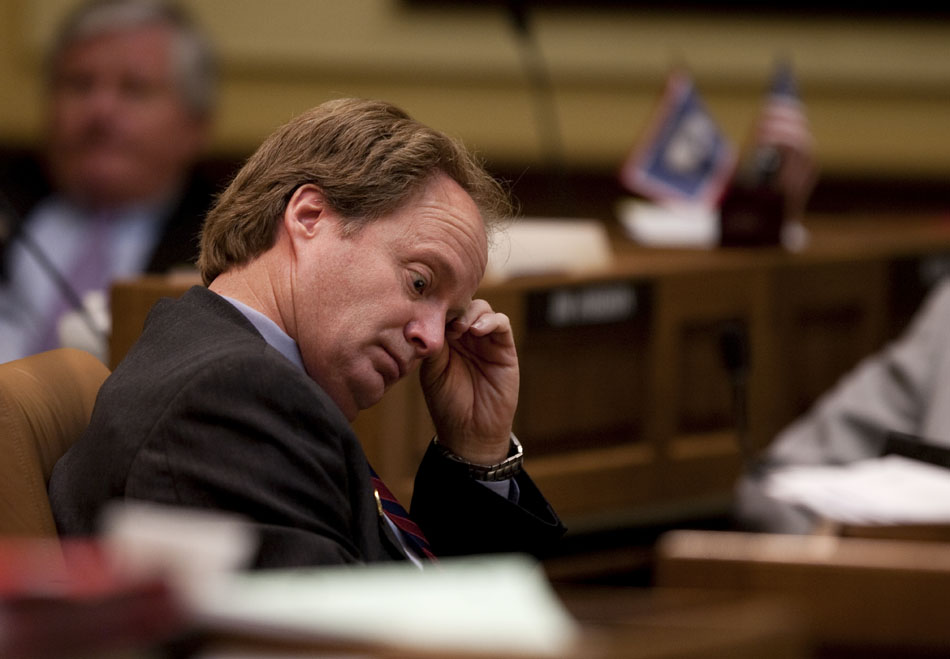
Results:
243 437
461 516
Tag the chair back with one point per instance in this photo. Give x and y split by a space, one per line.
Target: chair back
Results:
46 401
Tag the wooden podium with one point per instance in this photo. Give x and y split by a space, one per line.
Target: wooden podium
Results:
628 411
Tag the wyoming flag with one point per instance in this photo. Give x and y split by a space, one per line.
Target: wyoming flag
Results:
683 155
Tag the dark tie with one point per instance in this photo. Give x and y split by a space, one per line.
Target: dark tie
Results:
390 506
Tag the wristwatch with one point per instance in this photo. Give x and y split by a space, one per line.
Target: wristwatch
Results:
507 468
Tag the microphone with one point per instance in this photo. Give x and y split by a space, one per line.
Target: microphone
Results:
734 350
6 233
10 218
518 13
542 93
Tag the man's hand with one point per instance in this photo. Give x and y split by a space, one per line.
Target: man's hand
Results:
471 386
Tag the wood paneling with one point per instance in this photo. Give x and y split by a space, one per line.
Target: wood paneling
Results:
876 91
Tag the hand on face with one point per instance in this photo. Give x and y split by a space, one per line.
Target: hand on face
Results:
471 386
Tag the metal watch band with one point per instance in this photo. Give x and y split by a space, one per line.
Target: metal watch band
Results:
507 468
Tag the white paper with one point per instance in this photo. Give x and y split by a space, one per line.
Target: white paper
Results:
480 604
532 246
887 490
669 225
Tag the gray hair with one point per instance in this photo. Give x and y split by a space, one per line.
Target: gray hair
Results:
194 61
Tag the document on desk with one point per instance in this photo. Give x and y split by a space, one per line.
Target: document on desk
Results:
485 604
539 246
888 490
669 225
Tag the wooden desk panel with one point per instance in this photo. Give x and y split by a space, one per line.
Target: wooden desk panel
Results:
833 314
637 413
583 386
856 597
694 422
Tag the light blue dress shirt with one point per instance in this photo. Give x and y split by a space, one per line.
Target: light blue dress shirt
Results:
30 295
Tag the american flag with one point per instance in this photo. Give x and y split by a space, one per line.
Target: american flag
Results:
683 155
783 125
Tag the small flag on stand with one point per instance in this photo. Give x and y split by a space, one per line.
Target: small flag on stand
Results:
765 201
683 156
783 126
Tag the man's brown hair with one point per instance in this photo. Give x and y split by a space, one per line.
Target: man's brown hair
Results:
367 157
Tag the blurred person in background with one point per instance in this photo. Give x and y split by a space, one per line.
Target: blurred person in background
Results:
130 96
902 388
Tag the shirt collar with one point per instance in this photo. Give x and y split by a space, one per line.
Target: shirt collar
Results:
275 337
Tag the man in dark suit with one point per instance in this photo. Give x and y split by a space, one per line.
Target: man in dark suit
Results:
131 90
344 255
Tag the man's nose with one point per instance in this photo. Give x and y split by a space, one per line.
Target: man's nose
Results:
427 334
101 100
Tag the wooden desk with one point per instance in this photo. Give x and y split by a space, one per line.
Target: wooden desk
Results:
626 409
856 597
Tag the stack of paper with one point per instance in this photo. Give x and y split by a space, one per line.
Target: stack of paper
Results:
674 224
533 246
888 490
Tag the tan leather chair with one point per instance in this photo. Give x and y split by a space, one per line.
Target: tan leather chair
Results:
45 404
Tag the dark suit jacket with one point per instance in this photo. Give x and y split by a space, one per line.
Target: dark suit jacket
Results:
203 412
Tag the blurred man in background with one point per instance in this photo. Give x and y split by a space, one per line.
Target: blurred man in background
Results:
901 388
130 97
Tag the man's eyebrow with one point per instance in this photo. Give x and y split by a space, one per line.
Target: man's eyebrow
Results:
435 258
433 254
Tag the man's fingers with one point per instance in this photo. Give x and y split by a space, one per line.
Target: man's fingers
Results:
474 311
490 323
480 320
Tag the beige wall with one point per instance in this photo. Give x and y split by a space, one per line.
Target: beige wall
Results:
877 92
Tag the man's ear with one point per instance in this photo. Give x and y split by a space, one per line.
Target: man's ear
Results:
304 210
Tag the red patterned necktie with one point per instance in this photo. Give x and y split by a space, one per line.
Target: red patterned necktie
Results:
390 506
